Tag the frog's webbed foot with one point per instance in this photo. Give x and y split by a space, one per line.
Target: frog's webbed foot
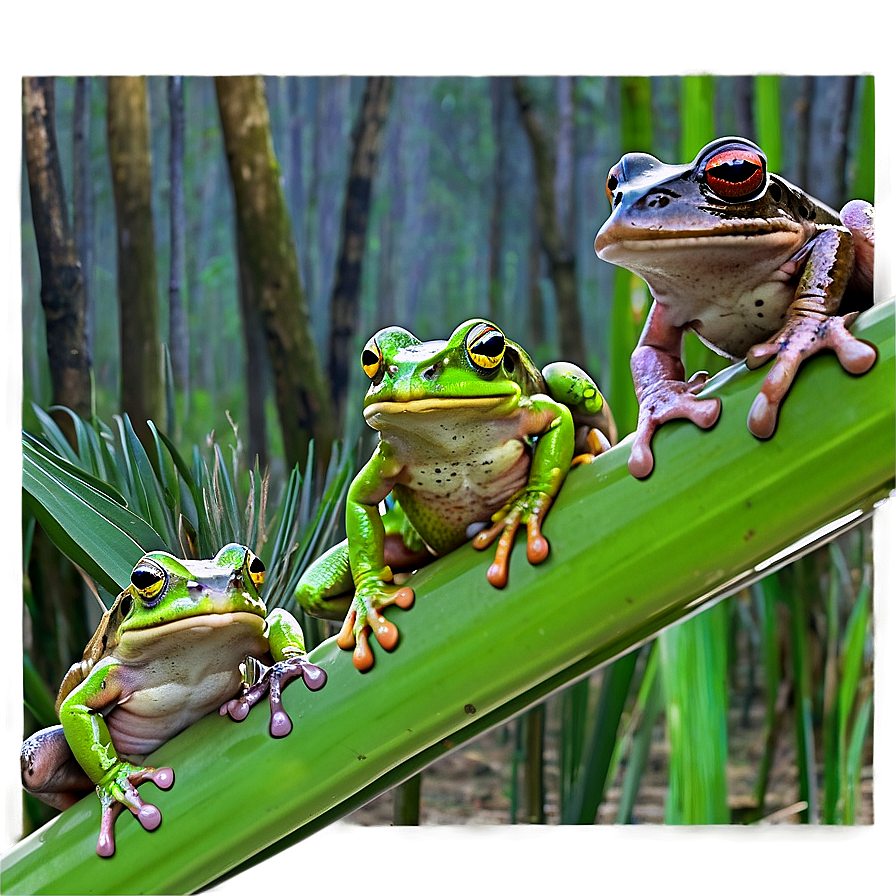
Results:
803 335
529 508
372 595
590 442
669 400
118 791
271 681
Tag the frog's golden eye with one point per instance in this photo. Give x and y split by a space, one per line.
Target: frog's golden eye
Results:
372 358
256 570
735 173
485 346
149 580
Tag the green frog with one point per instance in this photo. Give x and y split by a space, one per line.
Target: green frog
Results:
165 654
753 265
474 441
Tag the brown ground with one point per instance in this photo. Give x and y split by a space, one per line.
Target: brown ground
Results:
472 785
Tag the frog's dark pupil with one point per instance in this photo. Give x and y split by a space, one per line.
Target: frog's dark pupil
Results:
144 578
369 358
736 171
256 566
491 346
612 183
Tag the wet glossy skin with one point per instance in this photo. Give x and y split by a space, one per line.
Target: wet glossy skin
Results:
755 266
165 654
471 434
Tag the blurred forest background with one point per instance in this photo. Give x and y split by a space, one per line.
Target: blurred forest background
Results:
212 254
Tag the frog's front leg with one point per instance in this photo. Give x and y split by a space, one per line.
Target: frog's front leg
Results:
287 645
91 744
550 465
372 576
661 390
811 325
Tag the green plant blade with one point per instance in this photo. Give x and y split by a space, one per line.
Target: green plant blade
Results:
627 559
81 516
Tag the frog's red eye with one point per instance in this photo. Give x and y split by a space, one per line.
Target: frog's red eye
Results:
612 182
371 358
148 579
735 173
485 346
256 570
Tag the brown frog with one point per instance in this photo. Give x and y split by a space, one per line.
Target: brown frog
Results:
752 264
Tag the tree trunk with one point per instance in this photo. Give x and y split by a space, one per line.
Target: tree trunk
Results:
271 261
60 623
830 117
83 200
62 280
366 144
561 257
138 301
495 280
534 298
178 340
255 347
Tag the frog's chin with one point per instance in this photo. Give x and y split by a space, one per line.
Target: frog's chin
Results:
244 618
483 404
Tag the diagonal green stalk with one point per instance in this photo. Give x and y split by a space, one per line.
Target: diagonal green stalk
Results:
628 558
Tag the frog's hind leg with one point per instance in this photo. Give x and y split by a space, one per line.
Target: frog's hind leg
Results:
50 771
326 587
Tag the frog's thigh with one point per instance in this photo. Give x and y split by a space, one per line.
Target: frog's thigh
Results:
326 587
50 770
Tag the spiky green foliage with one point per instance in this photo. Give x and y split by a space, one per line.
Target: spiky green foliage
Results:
110 501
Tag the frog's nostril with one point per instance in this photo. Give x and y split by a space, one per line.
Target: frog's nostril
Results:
431 372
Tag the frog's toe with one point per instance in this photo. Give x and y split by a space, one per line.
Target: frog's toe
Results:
346 637
105 844
362 655
149 816
763 417
760 354
855 355
313 676
640 460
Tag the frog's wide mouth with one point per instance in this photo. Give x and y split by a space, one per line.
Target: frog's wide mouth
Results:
437 404
205 620
625 237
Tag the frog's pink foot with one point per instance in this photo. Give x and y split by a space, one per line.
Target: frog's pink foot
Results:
669 400
365 614
532 508
801 338
120 794
272 681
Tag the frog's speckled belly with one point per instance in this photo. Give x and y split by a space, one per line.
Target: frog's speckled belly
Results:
186 676
463 480
731 290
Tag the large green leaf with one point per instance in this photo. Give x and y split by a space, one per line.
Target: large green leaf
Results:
85 517
627 559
